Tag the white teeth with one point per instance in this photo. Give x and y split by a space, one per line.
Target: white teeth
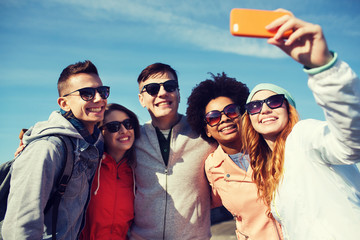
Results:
227 128
95 109
124 138
268 120
164 103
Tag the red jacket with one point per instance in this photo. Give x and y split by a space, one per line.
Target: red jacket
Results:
111 207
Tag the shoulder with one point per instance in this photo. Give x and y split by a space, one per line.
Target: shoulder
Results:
309 134
42 150
183 129
306 128
215 158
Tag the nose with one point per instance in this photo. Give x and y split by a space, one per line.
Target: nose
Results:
97 97
162 90
265 109
122 129
224 118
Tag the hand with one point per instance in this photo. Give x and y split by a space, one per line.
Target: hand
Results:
306 45
19 149
21 144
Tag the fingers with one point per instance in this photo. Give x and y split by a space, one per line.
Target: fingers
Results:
284 10
280 43
278 22
300 28
295 36
18 150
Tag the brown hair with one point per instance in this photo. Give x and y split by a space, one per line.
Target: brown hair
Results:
79 67
130 154
156 68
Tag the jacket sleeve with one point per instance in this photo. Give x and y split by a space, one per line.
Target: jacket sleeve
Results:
33 176
215 198
337 91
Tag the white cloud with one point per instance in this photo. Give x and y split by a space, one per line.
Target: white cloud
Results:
179 21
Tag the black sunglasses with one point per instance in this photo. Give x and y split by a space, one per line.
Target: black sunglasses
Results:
154 88
88 93
213 118
116 125
273 102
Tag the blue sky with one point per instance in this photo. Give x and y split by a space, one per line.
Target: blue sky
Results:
38 38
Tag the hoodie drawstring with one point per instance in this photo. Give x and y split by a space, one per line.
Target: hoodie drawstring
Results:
98 176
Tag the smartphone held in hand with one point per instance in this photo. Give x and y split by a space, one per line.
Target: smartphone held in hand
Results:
252 22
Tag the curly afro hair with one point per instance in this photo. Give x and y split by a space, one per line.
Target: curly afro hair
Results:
219 86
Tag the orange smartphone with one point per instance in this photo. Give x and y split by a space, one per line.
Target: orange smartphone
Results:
252 22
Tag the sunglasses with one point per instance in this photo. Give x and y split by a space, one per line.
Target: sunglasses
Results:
213 118
154 88
273 102
115 126
88 93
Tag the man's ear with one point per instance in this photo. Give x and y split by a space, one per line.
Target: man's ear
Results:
62 101
141 100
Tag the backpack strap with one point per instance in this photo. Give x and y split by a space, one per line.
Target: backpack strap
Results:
5 174
63 180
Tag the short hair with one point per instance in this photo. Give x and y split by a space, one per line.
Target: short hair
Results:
219 86
73 69
130 154
156 68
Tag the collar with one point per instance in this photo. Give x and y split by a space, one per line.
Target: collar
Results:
79 126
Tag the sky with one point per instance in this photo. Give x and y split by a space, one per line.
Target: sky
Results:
39 38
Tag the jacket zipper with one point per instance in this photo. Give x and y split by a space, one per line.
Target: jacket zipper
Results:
166 176
116 193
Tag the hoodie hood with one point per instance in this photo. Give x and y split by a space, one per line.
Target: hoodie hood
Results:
56 124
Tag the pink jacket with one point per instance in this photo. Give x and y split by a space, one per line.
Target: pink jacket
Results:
238 194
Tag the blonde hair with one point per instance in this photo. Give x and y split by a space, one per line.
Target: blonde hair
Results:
267 165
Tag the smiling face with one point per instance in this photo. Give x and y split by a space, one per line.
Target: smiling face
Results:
119 142
164 105
269 122
88 112
227 132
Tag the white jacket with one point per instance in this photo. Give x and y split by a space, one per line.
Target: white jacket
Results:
319 196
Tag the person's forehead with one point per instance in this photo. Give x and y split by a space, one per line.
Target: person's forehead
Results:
116 115
160 77
82 80
218 103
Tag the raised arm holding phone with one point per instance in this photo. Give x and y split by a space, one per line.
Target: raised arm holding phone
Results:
306 170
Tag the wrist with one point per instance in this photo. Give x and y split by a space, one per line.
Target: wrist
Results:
329 63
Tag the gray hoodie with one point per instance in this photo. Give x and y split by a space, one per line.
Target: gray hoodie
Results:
173 201
34 175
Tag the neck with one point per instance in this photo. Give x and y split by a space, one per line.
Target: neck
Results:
89 128
270 142
232 147
164 123
116 155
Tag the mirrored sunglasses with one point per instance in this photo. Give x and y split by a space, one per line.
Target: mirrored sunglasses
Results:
213 118
272 102
88 93
116 125
154 88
